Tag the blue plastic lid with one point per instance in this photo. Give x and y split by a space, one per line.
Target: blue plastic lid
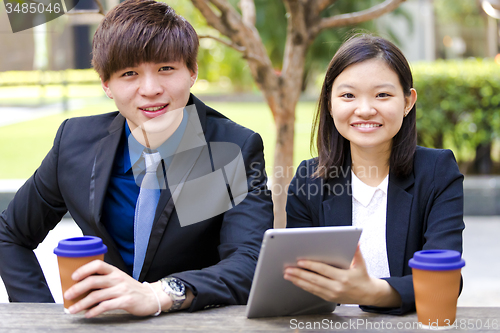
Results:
437 260
86 246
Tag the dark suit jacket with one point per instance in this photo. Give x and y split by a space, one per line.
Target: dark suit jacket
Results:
424 211
216 258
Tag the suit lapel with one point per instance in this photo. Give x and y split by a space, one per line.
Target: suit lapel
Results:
399 203
101 172
192 144
337 206
186 155
337 211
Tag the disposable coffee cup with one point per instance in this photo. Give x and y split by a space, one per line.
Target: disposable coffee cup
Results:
73 253
436 280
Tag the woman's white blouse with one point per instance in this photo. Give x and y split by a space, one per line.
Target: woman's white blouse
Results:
369 208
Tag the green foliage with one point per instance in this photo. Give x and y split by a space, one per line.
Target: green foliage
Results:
217 62
463 12
458 104
271 23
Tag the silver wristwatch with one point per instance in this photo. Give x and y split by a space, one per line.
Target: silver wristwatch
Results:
176 290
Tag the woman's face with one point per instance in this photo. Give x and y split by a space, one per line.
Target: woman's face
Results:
368 105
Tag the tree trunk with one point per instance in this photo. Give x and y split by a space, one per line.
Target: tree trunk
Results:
283 163
282 95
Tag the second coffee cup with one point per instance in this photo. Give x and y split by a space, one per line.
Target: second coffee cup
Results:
436 280
72 253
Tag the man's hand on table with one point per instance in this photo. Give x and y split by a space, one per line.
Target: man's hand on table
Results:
114 289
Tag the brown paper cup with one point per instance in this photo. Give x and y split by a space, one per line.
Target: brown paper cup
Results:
67 266
436 294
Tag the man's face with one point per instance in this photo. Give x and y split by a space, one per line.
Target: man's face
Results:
151 92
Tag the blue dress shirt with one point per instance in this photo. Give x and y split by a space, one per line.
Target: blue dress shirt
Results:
123 188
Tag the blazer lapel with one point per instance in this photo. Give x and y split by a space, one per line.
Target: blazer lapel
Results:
337 211
192 144
399 203
101 172
186 154
337 208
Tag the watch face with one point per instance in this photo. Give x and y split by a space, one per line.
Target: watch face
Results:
177 287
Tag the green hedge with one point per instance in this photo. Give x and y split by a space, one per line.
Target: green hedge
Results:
458 105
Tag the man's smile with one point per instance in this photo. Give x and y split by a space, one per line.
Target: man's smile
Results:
152 111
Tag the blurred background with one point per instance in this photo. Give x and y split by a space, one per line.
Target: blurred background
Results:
453 47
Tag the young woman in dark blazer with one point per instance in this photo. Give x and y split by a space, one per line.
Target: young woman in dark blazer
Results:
371 173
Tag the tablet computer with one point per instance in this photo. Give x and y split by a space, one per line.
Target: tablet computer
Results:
271 295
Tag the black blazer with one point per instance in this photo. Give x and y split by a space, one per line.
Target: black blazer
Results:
216 258
424 211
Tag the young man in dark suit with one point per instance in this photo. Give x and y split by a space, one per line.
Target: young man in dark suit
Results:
197 237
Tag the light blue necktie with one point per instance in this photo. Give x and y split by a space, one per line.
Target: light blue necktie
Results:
145 209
